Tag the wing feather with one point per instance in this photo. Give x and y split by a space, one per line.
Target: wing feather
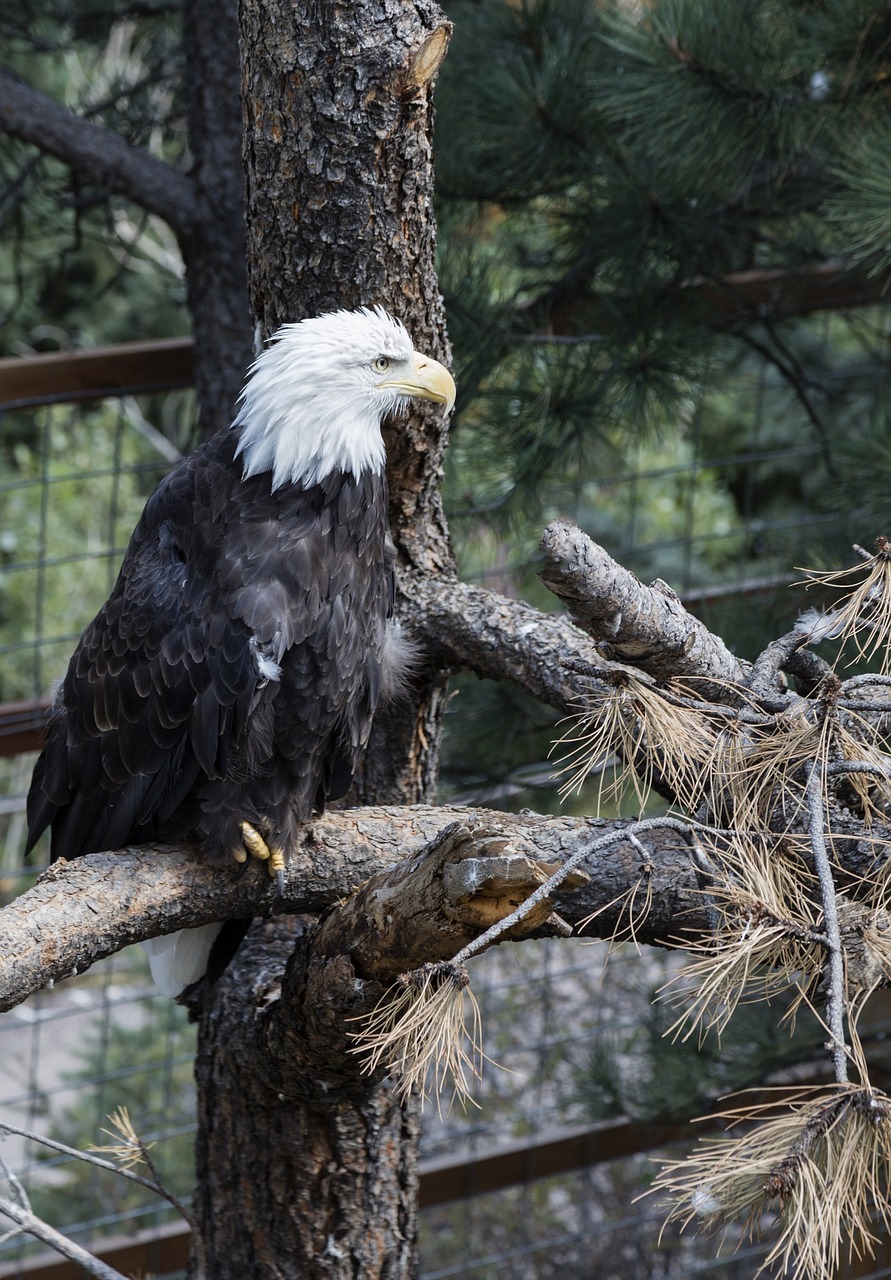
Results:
165 705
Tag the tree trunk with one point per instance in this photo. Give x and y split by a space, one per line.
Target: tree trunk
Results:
308 1172
216 277
315 1173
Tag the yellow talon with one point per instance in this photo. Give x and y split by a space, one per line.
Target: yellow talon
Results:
277 867
254 842
256 846
239 854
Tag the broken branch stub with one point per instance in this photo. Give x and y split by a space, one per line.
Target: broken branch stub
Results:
644 626
427 909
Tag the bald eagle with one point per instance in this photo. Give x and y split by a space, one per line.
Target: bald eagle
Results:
226 688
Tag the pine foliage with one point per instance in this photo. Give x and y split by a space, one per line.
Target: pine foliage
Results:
610 170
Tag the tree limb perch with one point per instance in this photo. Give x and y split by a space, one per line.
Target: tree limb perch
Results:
83 910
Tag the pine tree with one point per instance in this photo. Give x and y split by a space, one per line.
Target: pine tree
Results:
664 236
638 201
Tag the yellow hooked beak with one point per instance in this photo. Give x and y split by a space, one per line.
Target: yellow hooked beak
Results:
426 378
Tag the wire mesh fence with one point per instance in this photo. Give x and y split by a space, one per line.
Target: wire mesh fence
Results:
702 518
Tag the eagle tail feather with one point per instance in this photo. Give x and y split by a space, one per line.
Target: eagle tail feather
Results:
179 959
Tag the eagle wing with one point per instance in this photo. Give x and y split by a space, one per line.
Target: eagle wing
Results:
244 625
158 689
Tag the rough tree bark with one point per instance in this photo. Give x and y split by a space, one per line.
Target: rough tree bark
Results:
337 116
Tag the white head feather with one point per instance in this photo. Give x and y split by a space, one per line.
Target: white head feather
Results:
316 397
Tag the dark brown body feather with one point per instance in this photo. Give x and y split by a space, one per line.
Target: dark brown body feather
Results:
166 726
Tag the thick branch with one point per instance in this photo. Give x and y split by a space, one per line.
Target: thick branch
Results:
646 627
497 638
422 911
83 910
102 154
428 908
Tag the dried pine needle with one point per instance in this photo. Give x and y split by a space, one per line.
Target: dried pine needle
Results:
426 1029
127 1147
814 1171
768 785
863 615
631 914
764 783
766 940
600 734
652 731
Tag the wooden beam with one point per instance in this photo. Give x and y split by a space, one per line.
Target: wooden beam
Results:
728 302
22 725
776 293
781 292
157 1251
563 1151
87 375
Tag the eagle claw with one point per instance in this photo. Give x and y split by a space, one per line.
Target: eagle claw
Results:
254 844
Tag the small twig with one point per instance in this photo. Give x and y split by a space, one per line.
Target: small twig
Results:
859 766
869 707
835 1000
796 380
18 1190
854 682
34 1226
109 1165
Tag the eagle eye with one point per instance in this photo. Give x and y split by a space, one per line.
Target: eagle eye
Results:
381 364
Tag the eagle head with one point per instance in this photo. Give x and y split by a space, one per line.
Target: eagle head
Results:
316 397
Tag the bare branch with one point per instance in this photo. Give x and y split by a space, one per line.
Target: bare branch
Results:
102 154
497 638
34 1226
645 627
836 987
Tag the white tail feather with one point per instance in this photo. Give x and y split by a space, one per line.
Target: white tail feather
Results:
179 959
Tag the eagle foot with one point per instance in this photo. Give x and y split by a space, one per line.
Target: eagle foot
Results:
253 843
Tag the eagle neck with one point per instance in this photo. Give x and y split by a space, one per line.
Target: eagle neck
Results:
304 441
